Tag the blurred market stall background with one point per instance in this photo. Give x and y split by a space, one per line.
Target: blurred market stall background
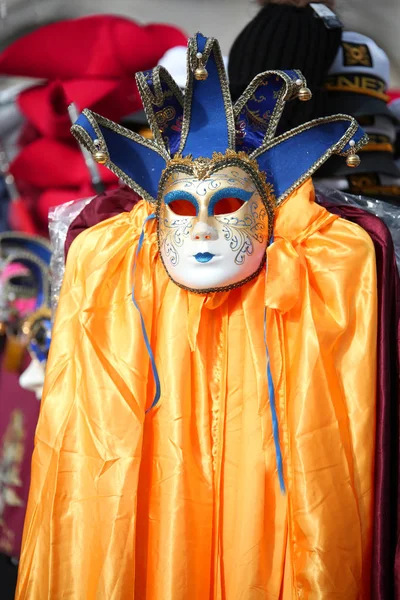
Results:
365 16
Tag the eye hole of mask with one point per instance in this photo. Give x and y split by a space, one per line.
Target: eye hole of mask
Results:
227 205
41 337
183 208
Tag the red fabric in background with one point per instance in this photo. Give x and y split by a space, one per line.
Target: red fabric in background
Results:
93 47
49 163
393 94
91 61
46 106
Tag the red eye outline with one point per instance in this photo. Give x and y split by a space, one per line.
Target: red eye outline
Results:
182 207
225 206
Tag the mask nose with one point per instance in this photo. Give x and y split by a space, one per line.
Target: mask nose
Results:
203 232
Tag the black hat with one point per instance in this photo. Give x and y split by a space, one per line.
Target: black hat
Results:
282 36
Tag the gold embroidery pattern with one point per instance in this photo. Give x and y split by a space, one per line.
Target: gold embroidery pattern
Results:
287 92
151 100
358 84
163 116
378 143
369 184
356 55
201 166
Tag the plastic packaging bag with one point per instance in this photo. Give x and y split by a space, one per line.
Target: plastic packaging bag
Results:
60 218
387 212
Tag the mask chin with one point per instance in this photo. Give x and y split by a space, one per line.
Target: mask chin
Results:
213 231
32 379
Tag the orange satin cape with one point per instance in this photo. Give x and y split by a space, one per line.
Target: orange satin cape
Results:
183 502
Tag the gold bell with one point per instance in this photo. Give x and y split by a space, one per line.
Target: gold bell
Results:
353 160
304 94
100 157
201 72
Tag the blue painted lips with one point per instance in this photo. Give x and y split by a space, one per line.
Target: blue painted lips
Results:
203 257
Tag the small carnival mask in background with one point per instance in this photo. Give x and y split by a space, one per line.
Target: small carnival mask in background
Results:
38 332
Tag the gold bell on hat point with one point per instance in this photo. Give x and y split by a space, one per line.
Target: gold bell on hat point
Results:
201 72
100 157
353 160
304 94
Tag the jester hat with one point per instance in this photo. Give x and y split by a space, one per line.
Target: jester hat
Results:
203 124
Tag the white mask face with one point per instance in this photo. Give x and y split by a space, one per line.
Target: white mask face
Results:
32 379
213 232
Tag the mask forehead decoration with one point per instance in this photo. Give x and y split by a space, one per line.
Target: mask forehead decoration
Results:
200 142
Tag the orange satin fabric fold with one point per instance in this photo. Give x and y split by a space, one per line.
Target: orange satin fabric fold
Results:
184 501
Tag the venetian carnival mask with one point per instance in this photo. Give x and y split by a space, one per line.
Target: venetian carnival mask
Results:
213 172
214 223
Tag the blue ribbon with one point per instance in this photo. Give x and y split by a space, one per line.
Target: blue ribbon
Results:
275 426
146 337
271 393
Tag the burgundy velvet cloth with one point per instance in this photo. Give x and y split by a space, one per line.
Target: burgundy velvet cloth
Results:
104 206
385 583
